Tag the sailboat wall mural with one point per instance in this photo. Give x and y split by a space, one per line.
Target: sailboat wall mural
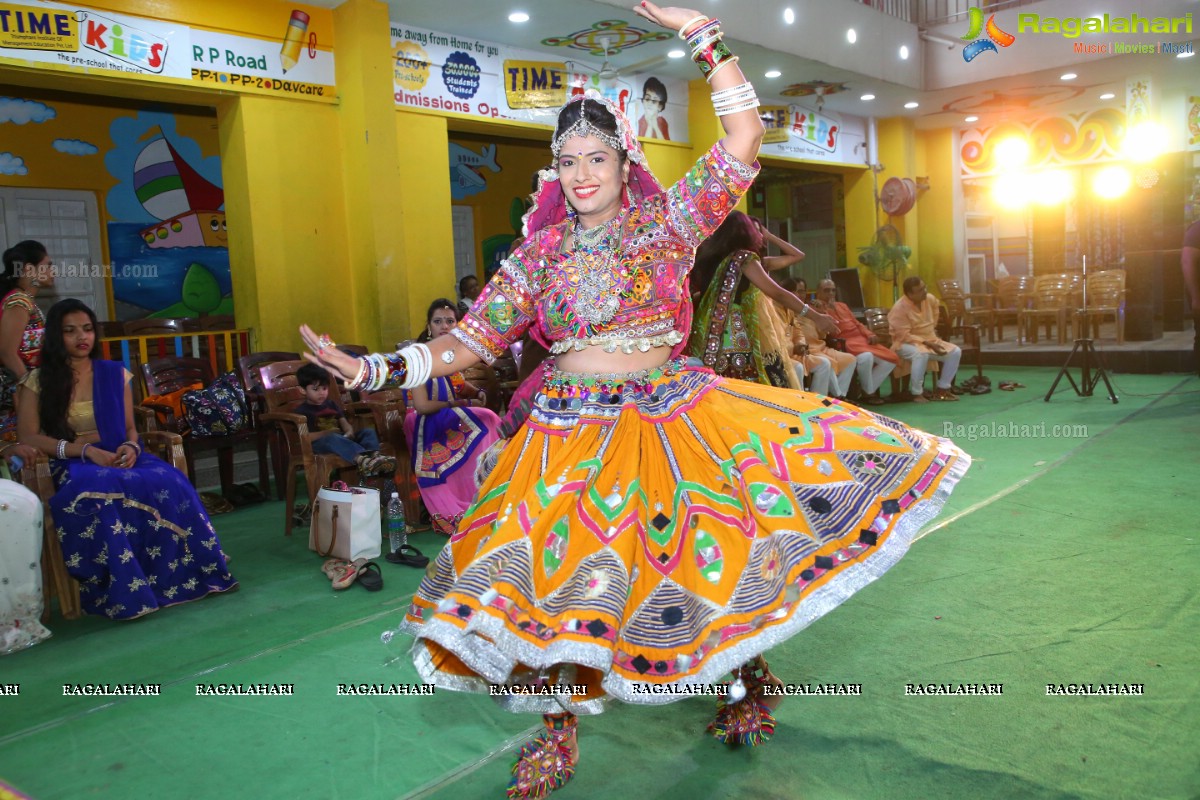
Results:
168 238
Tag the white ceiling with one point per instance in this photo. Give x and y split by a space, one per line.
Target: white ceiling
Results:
1015 84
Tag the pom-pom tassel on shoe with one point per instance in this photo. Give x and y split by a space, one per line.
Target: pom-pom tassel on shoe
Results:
747 722
542 766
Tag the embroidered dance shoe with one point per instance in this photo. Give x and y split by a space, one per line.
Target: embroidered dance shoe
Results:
547 762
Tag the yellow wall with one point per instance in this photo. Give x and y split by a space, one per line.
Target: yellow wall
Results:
935 207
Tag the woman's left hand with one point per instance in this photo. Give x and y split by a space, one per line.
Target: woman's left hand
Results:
126 456
671 18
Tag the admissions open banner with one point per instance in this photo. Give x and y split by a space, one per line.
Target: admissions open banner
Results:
440 72
298 62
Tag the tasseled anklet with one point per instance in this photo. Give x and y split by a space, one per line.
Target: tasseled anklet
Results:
544 764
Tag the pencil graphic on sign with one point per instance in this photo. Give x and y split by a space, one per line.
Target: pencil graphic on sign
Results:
289 55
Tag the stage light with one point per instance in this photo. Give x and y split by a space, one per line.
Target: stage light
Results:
518 16
1012 152
904 52
1011 190
1107 96
971 118
1111 182
851 36
676 54
1052 187
772 73
1145 141
789 16
911 104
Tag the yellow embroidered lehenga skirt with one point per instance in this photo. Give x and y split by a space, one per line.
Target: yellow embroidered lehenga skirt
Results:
643 534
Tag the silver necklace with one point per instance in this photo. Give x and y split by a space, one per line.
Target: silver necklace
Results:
597 299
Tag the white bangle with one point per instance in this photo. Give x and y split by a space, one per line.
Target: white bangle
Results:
700 18
724 112
61 452
741 88
357 381
420 365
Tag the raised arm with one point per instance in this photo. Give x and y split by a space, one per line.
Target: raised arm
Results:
790 254
743 128
754 272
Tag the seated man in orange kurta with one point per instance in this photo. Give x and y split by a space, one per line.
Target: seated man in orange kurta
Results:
874 362
913 324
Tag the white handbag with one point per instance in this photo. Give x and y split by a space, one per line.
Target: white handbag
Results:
346 523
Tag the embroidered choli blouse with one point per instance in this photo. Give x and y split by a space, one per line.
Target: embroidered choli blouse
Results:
539 284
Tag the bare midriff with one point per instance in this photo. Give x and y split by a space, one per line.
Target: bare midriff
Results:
594 359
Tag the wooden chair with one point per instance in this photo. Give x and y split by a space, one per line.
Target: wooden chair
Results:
248 371
1052 301
56 581
1105 298
1010 298
877 321
281 393
111 329
151 327
220 322
166 375
979 313
392 411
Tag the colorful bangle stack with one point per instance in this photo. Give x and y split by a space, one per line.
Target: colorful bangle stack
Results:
407 368
708 50
734 99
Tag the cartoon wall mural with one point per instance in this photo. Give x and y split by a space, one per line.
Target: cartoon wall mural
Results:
466 170
167 210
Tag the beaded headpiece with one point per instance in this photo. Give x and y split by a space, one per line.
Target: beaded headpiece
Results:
550 205
583 128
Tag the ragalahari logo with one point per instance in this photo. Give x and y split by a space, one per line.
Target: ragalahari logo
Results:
995 35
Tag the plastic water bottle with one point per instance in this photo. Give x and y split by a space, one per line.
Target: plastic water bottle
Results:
397 530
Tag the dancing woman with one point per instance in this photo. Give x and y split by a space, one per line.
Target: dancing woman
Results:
738 332
652 526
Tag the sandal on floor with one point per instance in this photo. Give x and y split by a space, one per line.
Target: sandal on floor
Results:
332 566
543 765
747 719
347 575
1007 386
945 396
409 556
369 577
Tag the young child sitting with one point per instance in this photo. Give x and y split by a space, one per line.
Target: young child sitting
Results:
333 433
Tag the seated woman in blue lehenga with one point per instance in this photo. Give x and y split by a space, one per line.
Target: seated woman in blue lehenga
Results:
448 429
132 529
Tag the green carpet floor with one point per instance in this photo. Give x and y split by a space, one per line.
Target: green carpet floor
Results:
1060 559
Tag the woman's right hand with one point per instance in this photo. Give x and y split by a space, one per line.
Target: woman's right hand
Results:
671 18
332 359
825 323
101 458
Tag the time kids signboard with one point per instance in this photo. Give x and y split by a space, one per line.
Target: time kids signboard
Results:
81 39
460 75
797 132
298 62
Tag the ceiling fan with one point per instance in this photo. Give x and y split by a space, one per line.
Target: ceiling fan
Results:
608 72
